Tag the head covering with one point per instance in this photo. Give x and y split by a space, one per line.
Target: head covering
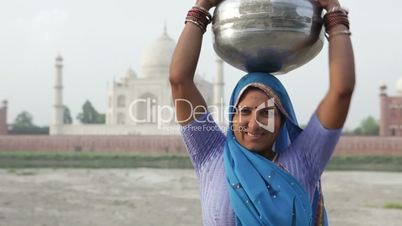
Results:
273 88
257 187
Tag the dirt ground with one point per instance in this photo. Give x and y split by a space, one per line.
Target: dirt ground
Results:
147 197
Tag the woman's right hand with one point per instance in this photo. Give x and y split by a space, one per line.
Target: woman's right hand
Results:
208 4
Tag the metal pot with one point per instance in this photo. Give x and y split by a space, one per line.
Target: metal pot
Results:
274 36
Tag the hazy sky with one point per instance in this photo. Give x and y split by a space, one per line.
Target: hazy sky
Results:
100 39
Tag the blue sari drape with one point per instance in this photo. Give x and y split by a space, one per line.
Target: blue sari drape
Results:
261 193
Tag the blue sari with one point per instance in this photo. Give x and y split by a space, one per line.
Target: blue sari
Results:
261 193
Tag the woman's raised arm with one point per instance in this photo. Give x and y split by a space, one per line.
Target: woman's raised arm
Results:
334 108
188 100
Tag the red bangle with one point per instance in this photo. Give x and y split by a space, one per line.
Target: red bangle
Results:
204 19
335 18
202 9
201 12
200 17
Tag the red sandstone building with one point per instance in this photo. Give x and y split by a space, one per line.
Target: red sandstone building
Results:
3 119
390 114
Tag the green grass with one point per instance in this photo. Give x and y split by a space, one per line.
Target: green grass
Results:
366 163
12 160
27 159
370 206
21 172
393 206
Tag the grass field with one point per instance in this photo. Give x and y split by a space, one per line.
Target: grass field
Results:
130 160
366 163
90 160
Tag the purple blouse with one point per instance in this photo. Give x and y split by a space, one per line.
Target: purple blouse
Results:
305 159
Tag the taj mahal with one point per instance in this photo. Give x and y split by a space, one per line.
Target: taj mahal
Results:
139 104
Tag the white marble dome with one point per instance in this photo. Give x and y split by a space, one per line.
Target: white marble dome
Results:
157 57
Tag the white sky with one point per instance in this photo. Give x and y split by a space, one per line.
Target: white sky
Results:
100 39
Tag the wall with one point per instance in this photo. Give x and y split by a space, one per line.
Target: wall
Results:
164 144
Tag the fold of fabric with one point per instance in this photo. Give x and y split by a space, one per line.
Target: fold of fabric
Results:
261 193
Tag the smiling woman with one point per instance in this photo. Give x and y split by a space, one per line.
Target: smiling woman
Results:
266 170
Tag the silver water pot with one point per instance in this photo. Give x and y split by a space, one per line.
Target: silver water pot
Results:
274 36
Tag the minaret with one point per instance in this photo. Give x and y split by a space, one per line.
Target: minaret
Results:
218 98
58 107
383 111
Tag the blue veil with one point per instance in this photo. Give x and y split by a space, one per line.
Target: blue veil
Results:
260 192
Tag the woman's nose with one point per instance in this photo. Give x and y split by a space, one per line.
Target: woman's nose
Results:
252 124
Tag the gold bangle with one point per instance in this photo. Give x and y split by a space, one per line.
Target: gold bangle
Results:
343 32
203 29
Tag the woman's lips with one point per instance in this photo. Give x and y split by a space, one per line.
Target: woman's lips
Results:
253 136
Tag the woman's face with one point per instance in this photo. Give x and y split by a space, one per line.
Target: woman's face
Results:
256 122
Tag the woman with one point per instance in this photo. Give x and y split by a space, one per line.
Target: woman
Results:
266 170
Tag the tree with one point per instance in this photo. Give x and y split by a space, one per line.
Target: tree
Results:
101 119
368 126
347 132
23 124
23 120
67 119
89 115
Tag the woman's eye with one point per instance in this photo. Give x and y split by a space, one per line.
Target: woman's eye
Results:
244 111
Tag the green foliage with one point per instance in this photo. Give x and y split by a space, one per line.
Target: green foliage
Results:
67 119
368 126
393 206
34 130
23 120
347 132
366 163
13 160
90 115
101 119
23 124
85 159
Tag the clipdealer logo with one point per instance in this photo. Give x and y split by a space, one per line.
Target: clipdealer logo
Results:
270 125
147 111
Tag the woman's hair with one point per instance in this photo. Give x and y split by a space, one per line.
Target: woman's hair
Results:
254 88
248 89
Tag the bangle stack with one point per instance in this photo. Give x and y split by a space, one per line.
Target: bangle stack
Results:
200 17
336 16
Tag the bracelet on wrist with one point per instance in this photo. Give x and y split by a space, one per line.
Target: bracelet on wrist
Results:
203 9
199 16
336 16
